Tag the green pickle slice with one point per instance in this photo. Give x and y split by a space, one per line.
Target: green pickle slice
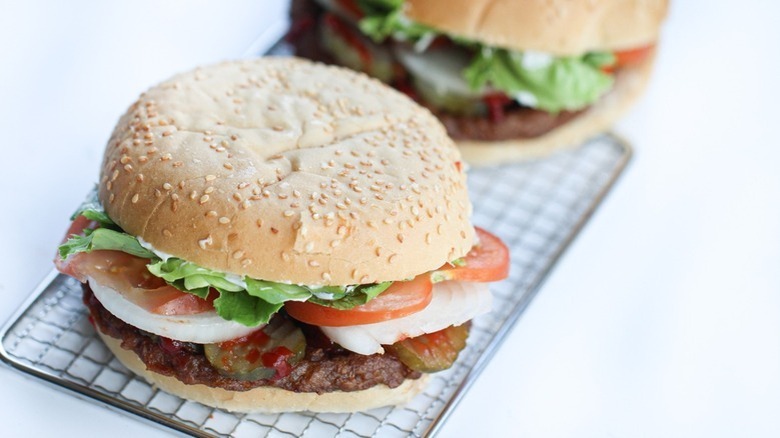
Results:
268 353
433 351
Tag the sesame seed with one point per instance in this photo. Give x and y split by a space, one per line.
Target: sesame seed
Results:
205 242
166 157
111 199
175 197
391 259
166 232
211 213
203 199
314 263
228 166
224 220
208 190
364 279
139 177
238 254
309 247
167 186
288 213
285 256
134 199
210 177
400 237
334 243
237 197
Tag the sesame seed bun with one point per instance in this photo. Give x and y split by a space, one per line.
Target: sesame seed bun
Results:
291 171
267 399
561 27
629 86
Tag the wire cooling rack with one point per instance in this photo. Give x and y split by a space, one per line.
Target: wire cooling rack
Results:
537 208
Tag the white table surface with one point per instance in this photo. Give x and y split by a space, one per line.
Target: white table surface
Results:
662 319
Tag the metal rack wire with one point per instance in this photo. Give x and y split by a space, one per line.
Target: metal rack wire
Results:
537 208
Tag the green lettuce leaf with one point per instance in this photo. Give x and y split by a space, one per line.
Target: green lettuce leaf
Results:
244 308
276 293
565 83
384 18
357 296
104 238
192 275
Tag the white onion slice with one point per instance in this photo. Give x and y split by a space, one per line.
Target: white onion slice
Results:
441 68
453 303
200 328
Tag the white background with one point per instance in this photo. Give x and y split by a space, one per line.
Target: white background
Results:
663 318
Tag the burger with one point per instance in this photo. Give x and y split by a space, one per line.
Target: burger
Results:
280 235
510 80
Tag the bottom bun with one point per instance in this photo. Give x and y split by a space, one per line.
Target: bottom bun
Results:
270 400
629 85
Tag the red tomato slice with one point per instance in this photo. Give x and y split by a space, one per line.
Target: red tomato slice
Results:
127 274
633 56
488 261
345 31
352 7
630 58
402 298
66 266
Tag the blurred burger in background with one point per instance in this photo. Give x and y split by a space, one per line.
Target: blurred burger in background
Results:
509 79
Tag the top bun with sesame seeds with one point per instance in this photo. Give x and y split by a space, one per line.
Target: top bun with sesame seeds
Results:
290 171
